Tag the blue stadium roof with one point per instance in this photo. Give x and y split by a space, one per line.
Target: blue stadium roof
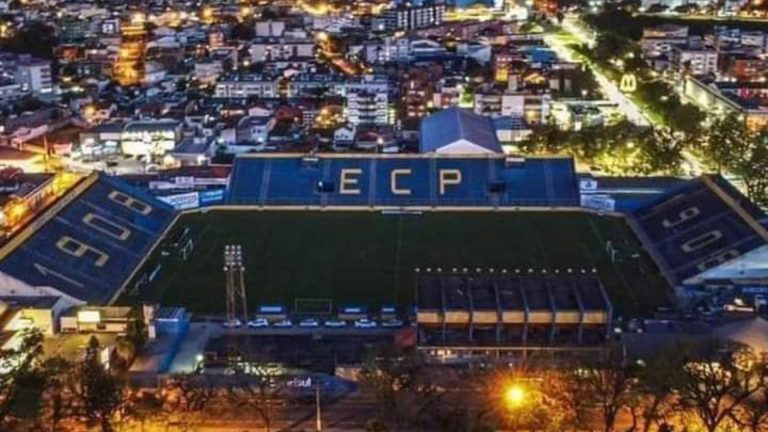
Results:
697 226
88 244
453 124
409 180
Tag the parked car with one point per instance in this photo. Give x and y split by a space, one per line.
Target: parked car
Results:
235 323
365 323
309 323
335 323
392 323
285 323
258 323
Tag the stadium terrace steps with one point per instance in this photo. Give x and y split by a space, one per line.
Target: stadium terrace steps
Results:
402 181
698 225
88 244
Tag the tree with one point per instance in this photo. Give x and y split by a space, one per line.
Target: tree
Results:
58 403
243 30
609 46
752 415
731 146
657 8
100 393
607 384
659 152
545 139
36 38
400 383
715 384
686 118
752 166
260 390
188 393
726 136
16 364
657 380
143 406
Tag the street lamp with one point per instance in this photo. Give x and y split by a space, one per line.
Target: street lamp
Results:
514 396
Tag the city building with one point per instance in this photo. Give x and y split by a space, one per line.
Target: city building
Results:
365 107
150 137
33 75
748 99
410 17
691 60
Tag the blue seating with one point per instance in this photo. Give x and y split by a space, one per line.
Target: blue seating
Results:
691 228
401 181
89 249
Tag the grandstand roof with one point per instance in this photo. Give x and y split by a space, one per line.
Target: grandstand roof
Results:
88 244
752 266
455 130
702 224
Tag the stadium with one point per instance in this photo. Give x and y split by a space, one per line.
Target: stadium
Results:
479 245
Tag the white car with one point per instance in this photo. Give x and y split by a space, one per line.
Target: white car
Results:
258 323
309 323
365 323
392 323
335 323
286 323
235 323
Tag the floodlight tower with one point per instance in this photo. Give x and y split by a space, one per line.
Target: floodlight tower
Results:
234 272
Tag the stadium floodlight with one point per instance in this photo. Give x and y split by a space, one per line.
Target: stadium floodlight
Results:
234 271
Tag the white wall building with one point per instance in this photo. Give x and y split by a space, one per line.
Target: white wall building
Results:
364 107
150 137
696 61
34 75
270 28
247 85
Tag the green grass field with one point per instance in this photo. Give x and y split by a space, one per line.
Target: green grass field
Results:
366 258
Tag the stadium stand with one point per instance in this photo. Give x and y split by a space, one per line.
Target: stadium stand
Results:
697 226
465 310
624 194
491 180
88 244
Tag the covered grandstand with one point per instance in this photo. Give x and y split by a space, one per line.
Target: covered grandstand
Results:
408 180
701 227
463 313
87 245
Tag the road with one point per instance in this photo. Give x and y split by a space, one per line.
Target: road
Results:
727 19
574 32
578 34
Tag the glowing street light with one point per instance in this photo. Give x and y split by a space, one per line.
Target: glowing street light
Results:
514 396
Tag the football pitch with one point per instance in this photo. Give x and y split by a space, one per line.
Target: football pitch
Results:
369 258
